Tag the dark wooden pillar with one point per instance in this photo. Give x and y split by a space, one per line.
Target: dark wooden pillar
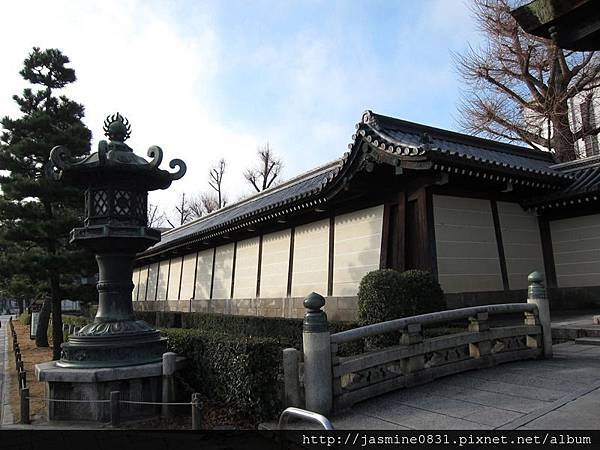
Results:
420 231
393 238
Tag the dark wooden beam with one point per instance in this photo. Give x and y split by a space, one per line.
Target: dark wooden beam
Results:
195 276
291 262
331 255
180 279
212 273
233 268
258 270
431 247
547 251
500 244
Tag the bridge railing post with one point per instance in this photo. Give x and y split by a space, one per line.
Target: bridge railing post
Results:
316 340
291 378
412 334
536 294
479 323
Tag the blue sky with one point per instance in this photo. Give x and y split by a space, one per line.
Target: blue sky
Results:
205 79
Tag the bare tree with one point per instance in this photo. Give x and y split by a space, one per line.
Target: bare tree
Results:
183 213
215 181
210 202
195 206
268 169
520 86
155 216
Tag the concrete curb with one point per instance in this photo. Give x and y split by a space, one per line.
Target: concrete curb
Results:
6 414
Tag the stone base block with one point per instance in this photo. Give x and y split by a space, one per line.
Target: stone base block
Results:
136 383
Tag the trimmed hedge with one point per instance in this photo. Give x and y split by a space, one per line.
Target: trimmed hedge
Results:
240 371
287 332
387 294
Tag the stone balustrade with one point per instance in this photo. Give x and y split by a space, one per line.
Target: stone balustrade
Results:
474 338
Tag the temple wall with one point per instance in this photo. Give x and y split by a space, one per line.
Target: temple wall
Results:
467 252
163 280
275 263
204 267
246 268
174 278
152 282
357 248
576 247
188 272
522 243
311 259
223 272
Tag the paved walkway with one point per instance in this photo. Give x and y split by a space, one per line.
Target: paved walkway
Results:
562 393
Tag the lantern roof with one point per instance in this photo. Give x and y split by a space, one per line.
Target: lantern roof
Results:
115 162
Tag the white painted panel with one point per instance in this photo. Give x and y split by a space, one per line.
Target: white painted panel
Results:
576 246
174 278
275 264
522 243
143 283
136 283
467 252
152 279
163 279
246 268
204 274
357 248
187 277
311 259
223 269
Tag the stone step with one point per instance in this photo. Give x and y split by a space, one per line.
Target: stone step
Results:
588 340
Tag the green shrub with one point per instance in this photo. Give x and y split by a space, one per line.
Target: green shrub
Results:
147 316
241 371
78 321
420 293
387 294
24 318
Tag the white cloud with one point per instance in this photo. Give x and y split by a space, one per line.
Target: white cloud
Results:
131 57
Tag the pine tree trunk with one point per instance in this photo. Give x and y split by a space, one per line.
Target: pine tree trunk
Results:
41 334
57 335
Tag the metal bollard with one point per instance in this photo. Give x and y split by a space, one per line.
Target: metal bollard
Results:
196 412
22 379
115 412
25 405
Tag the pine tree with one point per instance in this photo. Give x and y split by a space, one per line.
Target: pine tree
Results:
35 211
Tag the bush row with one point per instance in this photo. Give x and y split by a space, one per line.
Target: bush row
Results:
240 371
287 332
78 321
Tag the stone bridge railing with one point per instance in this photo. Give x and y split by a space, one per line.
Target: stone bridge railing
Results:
490 335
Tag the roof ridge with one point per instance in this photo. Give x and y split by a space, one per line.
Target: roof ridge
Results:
369 117
298 178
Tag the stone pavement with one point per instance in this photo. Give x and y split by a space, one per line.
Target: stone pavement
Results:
562 393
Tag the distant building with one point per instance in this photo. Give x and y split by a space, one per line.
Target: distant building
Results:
479 214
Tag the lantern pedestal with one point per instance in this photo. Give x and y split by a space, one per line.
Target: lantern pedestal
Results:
140 383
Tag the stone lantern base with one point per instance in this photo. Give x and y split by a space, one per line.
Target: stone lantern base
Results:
135 383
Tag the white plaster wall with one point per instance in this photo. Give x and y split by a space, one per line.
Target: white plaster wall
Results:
357 248
152 280
275 264
136 283
311 259
204 274
187 277
223 269
522 243
467 252
246 268
163 279
576 246
143 282
174 278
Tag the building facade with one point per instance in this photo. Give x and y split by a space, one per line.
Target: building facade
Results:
479 214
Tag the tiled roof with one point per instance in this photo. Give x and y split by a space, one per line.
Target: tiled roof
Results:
461 146
393 139
584 188
300 187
